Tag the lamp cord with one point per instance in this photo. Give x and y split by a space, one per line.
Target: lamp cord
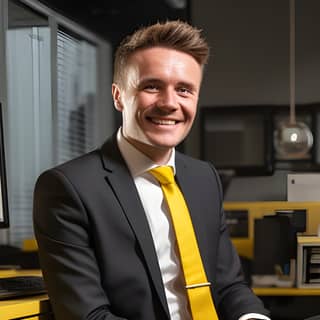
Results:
292 62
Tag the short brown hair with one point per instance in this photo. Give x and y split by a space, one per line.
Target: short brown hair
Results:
176 35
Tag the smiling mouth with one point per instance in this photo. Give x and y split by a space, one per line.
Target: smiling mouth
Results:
167 122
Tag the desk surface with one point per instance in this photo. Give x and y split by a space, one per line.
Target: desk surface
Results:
15 308
19 272
287 291
31 306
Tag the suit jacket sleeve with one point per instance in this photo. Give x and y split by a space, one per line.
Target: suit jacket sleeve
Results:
68 261
234 297
202 190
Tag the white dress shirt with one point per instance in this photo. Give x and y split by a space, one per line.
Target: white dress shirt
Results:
163 235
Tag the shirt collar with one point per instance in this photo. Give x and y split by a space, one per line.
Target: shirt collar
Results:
137 162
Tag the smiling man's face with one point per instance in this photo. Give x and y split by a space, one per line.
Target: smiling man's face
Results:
159 99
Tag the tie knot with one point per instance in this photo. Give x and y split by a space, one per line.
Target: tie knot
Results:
163 174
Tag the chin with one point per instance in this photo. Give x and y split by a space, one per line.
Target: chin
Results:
164 146
164 141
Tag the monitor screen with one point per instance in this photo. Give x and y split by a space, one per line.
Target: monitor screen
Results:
237 139
4 216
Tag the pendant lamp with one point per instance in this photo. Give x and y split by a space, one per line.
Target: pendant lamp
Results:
292 139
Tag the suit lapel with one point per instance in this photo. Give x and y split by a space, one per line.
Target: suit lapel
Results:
187 187
186 179
118 176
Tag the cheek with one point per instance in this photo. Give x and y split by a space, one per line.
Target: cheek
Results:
144 100
190 111
133 113
141 104
138 116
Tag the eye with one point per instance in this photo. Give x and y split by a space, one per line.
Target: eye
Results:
151 88
184 91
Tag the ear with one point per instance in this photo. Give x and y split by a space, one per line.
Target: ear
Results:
116 94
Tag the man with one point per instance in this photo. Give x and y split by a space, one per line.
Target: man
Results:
107 244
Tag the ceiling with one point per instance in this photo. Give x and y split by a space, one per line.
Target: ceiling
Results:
112 19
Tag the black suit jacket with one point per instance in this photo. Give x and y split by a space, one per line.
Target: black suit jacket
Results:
96 248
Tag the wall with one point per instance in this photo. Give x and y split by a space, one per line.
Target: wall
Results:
249 64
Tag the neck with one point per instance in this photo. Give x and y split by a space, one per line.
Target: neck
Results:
158 155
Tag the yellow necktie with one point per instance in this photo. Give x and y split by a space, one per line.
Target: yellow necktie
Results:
197 285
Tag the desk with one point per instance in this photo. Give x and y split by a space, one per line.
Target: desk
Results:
284 303
31 308
290 303
245 245
298 292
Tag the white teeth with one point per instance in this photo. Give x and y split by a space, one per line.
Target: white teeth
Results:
166 122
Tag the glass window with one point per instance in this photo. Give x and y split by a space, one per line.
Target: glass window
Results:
77 92
42 133
29 112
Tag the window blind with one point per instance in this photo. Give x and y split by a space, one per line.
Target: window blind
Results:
33 123
77 89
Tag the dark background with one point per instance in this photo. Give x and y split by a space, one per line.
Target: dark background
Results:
113 19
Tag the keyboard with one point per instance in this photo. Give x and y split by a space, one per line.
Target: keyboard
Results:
21 286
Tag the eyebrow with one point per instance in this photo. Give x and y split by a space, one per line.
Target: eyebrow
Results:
186 84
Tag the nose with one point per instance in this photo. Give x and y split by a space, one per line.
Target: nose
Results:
167 99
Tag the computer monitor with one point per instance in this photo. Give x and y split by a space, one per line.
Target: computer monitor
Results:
4 212
237 139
